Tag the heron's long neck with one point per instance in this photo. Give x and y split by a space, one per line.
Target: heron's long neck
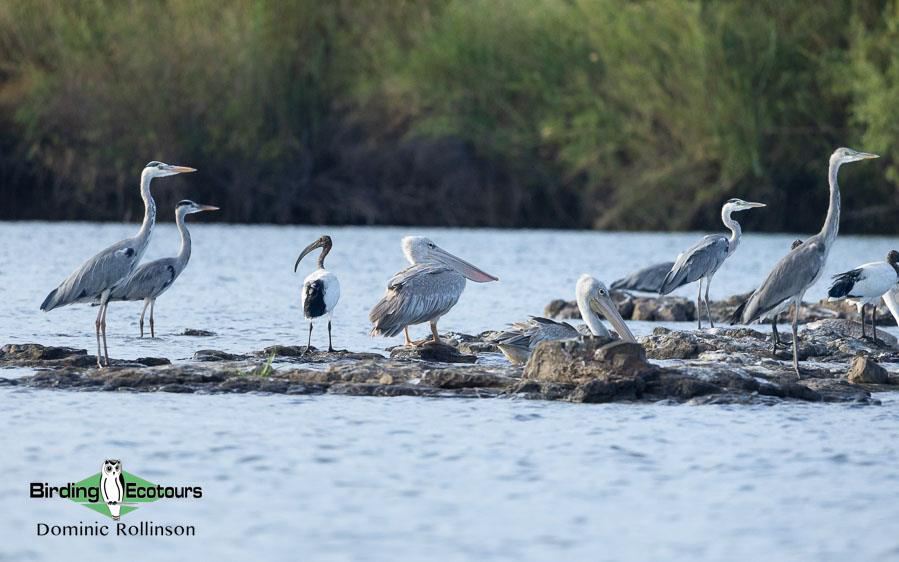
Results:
832 222
591 318
146 228
735 231
184 253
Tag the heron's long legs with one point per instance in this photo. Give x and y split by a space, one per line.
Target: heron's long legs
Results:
330 346
142 312
97 325
406 333
796 336
152 330
708 310
699 304
105 307
774 336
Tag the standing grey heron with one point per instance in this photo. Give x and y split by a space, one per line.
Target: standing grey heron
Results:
801 268
771 316
592 299
100 275
153 278
647 280
865 285
424 291
321 290
703 259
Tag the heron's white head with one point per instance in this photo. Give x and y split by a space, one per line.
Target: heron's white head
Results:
843 155
419 249
156 169
593 296
734 205
188 207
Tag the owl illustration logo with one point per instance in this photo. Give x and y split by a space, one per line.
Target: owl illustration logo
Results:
112 485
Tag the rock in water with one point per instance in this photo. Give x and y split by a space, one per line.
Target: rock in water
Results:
439 352
864 370
845 329
580 360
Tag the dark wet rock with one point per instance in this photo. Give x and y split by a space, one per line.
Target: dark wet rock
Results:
470 378
299 354
152 361
847 329
37 352
197 333
664 309
863 370
439 352
216 355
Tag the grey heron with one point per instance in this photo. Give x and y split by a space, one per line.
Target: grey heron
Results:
152 279
321 290
647 280
865 285
702 260
592 299
801 268
424 291
96 278
772 315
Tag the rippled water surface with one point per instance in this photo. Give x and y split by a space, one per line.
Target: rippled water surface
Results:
333 477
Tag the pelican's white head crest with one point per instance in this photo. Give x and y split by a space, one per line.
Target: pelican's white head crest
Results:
594 297
419 249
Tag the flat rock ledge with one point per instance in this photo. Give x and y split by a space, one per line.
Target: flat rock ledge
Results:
680 309
589 370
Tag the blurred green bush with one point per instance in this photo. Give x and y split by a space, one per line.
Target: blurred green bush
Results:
555 113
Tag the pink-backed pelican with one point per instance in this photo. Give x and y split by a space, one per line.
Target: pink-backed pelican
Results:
592 299
424 291
321 290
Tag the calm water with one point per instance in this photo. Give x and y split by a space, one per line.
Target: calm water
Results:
332 477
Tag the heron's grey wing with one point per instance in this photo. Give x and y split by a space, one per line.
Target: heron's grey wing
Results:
647 280
104 271
701 259
418 294
790 277
149 280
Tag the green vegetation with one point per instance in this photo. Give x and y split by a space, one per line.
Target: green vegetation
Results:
562 113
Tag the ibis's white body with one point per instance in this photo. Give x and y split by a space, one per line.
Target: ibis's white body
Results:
330 295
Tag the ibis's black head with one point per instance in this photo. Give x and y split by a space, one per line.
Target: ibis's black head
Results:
893 257
324 243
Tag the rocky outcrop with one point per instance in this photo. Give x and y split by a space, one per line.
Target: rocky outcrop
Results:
437 352
37 355
680 309
299 354
863 370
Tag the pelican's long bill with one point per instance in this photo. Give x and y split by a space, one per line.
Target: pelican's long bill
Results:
469 271
606 306
317 244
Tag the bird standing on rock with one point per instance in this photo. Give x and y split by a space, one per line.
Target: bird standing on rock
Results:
703 259
321 289
424 291
152 279
865 285
98 277
800 269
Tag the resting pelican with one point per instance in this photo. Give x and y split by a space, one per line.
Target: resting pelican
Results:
424 291
153 278
592 298
772 316
865 285
100 275
647 280
321 290
704 258
801 268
